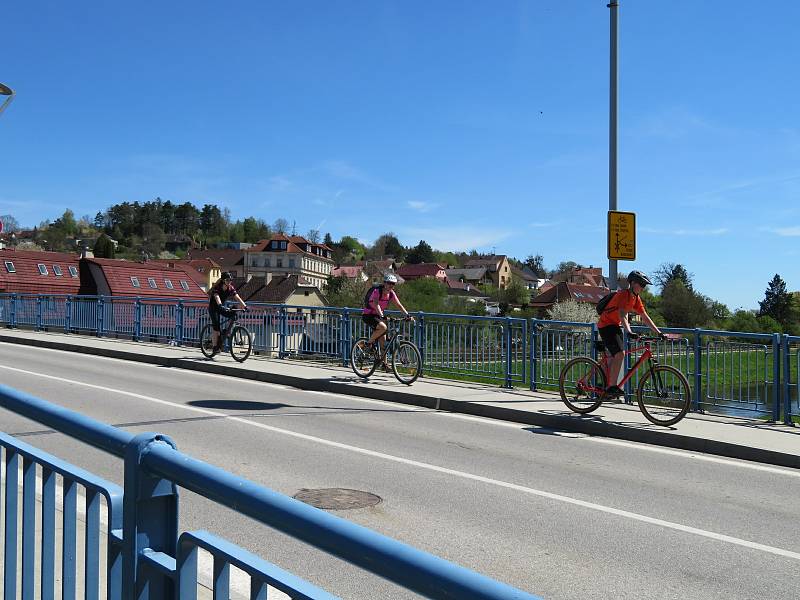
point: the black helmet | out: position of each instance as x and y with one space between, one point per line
639 278
226 276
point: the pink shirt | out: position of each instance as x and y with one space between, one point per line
383 300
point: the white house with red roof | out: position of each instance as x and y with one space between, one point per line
290 255
29 272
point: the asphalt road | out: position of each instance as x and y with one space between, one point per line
556 514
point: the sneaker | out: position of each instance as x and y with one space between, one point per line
614 391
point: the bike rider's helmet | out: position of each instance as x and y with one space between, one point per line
389 278
226 276
639 277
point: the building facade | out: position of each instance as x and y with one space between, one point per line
284 255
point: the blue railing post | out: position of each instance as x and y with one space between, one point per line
100 311
12 318
533 357
67 314
137 320
787 373
345 335
508 340
698 369
179 323
38 313
149 521
776 377
420 336
282 331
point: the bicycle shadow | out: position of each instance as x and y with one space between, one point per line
601 420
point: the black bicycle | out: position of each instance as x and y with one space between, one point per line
402 354
232 337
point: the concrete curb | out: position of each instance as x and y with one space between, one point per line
580 424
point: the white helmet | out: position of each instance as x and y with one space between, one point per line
389 278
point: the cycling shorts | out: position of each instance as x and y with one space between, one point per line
612 338
371 320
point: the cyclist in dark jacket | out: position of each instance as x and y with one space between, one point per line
218 295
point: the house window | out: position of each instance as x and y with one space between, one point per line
73 271
279 263
152 283
42 269
135 282
10 267
168 283
184 285
273 244
283 245
291 263
57 270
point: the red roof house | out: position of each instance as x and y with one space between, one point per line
29 272
434 270
110 277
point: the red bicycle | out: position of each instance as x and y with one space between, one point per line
663 393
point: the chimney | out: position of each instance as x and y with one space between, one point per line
84 249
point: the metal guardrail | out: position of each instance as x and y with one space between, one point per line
791 376
734 372
149 559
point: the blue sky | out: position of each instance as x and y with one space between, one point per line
470 125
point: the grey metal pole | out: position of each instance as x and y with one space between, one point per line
612 128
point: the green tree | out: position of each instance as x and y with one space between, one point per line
668 272
681 307
743 320
425 294
515 292
421 253
104 247
536 264
777 301
350 249
345 292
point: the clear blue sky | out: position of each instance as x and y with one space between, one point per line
468 124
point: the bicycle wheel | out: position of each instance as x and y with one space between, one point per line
361 358
582 383
241 343
406 362
207 342
664 395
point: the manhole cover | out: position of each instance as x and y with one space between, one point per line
337 498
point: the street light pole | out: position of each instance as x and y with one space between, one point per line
6 91
612 128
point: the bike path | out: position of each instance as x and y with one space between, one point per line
747 439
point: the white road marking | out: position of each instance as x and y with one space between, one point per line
447 471
685 454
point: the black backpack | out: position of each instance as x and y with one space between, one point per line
601 306
369 293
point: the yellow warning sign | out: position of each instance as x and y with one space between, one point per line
621 235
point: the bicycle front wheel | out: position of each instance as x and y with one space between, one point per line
582 383
362 361
241 344
207 342
406 362
664 395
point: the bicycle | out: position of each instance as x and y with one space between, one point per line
240 341
663 393
405 357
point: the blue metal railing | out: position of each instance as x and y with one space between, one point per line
740 372
157 560
791 376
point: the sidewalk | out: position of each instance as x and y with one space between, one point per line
733 437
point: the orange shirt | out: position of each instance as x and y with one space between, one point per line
625 300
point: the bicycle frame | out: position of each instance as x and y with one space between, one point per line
647 355
392 336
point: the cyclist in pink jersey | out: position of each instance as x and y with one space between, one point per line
376 304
